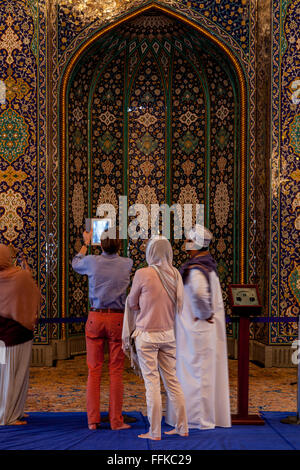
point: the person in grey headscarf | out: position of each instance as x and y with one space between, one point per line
19 307
156 297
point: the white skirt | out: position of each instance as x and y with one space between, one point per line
14 381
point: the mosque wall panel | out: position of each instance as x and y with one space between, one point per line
95 173
78 169
22 138
175 142
147 116
190 125
233 17
67 33
262 161
244 18
223 168
284 225
106 139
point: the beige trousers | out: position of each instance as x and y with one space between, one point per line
155 358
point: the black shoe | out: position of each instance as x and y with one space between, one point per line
129 419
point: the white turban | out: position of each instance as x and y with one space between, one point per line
200 236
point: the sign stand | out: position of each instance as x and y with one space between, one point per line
242 417
244 301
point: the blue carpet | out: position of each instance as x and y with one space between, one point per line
68 431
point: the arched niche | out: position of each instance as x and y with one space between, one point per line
181 138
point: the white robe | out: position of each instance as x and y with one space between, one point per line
201 357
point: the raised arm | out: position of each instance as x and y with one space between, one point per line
79 262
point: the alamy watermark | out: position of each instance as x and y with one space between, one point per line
2 92
141 221
2 353
296 354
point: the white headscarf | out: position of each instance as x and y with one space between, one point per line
200 236
159 255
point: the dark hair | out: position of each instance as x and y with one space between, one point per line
204 248
110 245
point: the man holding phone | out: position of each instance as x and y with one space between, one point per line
108 276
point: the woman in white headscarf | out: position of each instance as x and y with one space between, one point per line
156 297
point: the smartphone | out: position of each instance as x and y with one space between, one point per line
98 226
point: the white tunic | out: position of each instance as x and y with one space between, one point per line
201 357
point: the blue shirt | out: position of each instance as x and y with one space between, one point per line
109 277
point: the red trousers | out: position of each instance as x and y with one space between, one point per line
101 327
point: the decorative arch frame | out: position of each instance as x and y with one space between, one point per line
243 88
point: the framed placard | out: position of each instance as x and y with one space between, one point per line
244 299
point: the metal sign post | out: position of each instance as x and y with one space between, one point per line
245 302
242 417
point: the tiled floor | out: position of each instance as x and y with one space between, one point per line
62 388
